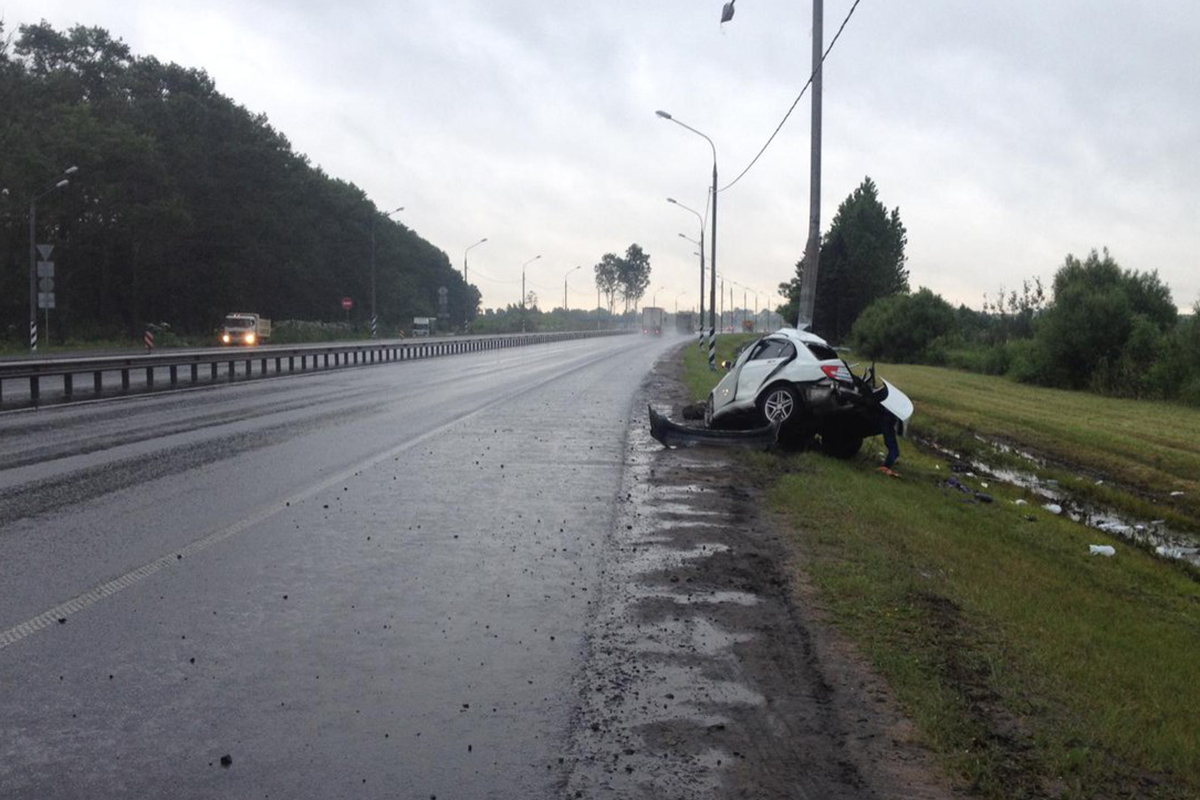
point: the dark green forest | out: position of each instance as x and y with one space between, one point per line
185 205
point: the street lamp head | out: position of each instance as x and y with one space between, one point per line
61 183
664 114
681 236
484 239
71 170
727 11
672 200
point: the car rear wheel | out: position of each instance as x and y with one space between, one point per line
779 404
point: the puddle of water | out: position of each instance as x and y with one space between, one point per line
1153 533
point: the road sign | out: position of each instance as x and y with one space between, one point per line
45 284
44 250
45 299
45 269
347 304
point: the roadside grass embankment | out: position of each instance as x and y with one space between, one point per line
1141 450
1031 668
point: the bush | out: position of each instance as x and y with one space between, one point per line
1026 361
985 359
906 328
1103 327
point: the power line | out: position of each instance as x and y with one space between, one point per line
797 100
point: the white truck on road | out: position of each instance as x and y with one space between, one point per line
242 327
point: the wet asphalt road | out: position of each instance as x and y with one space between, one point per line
368 583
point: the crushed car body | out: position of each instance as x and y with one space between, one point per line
794 380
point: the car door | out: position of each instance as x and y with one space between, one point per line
723 394
760 366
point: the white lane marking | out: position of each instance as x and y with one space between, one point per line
109 588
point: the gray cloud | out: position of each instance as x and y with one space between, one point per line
1008 133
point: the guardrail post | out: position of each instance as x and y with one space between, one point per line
174 375
213 370
33 388
68 385
231 373
195 373
262 367
97 382
149 377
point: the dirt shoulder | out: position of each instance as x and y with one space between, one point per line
711 672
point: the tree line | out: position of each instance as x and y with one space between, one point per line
1100 327
185 205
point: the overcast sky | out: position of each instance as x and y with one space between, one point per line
1008 132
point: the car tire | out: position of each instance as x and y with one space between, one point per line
840 444
708 412
780 403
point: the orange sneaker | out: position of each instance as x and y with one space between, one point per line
891 473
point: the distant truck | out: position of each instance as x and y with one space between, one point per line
652 321
685 322
245 328
424 326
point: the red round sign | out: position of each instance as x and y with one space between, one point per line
347 304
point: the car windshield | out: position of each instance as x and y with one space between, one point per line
239 322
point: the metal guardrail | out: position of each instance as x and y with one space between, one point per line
229 364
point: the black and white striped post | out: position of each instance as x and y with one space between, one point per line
33 335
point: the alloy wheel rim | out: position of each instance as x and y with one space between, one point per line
778 406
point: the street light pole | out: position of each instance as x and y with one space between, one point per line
523 266
701 220
467 312
33 331
374 316
712 295
469 249
565 289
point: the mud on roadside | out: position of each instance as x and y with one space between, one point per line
709 673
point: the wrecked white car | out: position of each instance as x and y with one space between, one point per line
796 380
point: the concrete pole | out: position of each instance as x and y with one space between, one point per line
812 250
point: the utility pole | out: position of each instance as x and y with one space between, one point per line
812 250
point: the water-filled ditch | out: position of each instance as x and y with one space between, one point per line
1155 534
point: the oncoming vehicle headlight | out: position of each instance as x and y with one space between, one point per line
249 338
226 338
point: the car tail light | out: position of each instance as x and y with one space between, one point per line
837 372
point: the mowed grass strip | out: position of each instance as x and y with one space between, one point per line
1033 668
1152 448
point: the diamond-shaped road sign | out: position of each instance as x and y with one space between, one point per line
44 250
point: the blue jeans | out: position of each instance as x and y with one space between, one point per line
887 425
